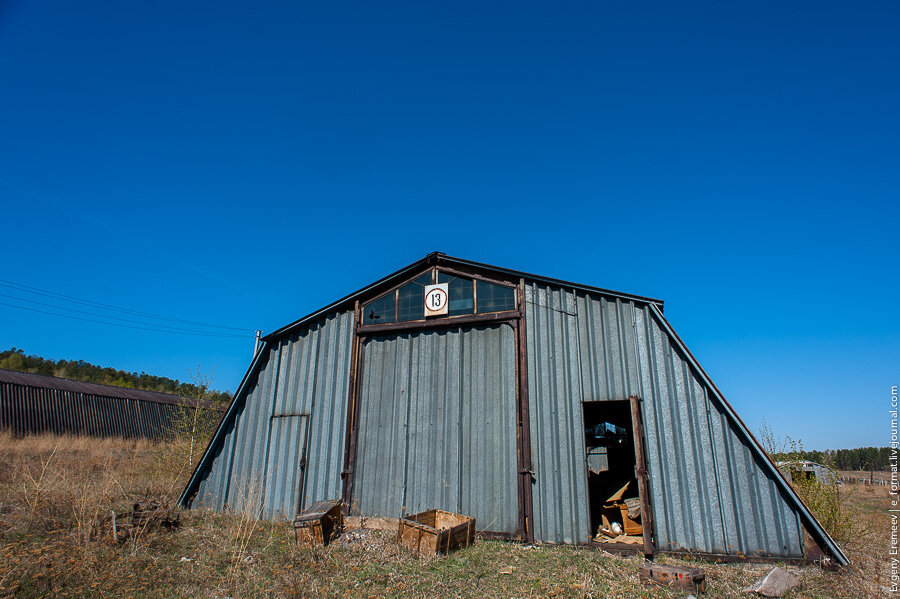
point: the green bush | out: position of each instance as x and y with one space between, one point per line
823 498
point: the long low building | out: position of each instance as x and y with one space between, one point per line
550 411
34 404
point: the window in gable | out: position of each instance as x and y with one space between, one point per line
495 298
466 296
380 311
411 299
460 291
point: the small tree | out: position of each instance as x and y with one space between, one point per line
191 427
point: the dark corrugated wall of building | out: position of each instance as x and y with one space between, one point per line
29 410
438 425
710 492
297 403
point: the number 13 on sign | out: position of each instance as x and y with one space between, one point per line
436 297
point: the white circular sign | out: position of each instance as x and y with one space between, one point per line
436 300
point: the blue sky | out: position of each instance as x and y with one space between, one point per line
245 164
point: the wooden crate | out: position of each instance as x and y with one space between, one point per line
319 523
436 531
688 579
618 512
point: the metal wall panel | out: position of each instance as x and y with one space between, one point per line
284 474
302 382
559 494
709 490
438 425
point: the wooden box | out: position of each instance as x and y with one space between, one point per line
615 509
436 531
319 523
688 579
618 512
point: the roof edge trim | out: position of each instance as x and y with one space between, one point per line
445 259
347 299
437 259
203 462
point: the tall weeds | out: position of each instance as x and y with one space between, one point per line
57 495
61 481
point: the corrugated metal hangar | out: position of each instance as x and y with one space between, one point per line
32 404
521 400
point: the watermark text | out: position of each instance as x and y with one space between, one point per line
895 499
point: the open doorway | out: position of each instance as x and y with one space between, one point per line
614 461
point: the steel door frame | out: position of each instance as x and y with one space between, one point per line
640 471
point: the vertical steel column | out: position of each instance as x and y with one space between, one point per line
350 438
523 430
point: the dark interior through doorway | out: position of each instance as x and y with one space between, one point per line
610 460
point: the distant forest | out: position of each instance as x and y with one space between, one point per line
79 370
861 458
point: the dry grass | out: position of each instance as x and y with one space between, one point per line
57 494
878 477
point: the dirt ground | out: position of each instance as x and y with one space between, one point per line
58 495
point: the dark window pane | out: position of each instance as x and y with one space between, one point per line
460 291
411 299
495 298
379 311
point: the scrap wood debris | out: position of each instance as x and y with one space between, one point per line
145 515
621 519
154 513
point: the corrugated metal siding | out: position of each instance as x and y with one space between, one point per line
559 494
303 381
438 425
284 476
27 410
709 491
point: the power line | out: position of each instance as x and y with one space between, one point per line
128 326
52 294
161 326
